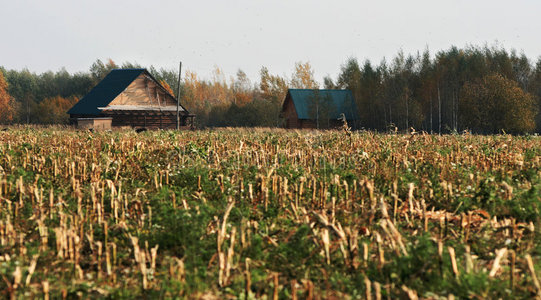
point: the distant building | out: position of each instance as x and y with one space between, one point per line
129 97
309 108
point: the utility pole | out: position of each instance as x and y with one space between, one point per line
178 96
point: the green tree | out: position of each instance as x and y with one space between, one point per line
350 78
22 87
99 70
273 87
328 83
535 88
427 90
370 97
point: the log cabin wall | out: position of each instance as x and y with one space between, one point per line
307 124
150 120
94 123
290 115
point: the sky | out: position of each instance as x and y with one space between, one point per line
248 34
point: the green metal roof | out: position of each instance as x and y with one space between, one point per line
106 91
335 102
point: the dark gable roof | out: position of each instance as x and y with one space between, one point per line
106 91
342 102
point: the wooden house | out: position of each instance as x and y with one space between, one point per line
130 97
319 109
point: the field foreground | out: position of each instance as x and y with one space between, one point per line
268 214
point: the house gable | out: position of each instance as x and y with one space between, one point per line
126 89
102 94
144 91
289 113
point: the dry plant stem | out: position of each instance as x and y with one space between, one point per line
425 218
31 269
275 290
412 295
224 262
469 260
531 268
368 288
248 278
45 285
454 264
496 265
293 289
310 293
512 271
377 289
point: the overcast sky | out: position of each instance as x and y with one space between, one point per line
248 34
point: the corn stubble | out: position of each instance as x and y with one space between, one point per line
268 214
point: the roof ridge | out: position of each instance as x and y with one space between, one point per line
129 69
318 89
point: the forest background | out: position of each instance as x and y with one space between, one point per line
479 89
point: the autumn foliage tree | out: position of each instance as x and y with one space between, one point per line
496 103
167 87
54 110
303 77
7 104
242 90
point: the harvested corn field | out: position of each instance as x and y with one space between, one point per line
261 214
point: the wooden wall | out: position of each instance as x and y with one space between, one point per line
139 119
290 115
97 123
144 91
149 120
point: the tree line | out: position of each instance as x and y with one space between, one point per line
478 89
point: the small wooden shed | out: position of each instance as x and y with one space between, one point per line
94 123
318 109
130 97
